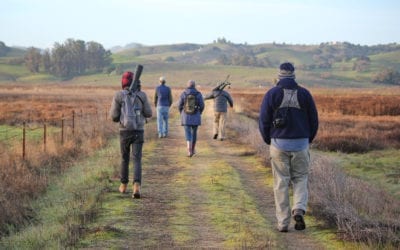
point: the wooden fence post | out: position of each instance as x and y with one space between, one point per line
62 129
44 136
73 122
23 141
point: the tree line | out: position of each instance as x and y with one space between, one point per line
3 49
71 58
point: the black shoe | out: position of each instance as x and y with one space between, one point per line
215 136
136 196
298 216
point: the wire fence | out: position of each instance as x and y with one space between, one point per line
60 130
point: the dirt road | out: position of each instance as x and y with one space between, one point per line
220 198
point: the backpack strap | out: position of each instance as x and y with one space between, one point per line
136 96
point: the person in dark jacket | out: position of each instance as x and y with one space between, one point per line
128 138
191 121
288 122
221 100
162 101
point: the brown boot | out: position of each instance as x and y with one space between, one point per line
136 190
189 148
122 188
193 148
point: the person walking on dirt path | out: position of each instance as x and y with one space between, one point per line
221 100
128 138
162 102
191 106
288 122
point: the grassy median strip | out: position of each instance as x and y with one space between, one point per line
232 210
180 223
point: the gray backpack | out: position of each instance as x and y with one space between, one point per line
131 111
190 105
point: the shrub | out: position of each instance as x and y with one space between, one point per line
388 76
361 212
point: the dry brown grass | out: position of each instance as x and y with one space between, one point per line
50 103
24 179
360 211
352 121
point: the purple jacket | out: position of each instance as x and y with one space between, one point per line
194 119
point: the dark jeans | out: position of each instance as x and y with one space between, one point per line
136 139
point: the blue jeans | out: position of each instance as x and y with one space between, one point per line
191 133
162 120
136 139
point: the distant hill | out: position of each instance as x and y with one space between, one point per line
263 55
6 51
333 64
117 49
338 64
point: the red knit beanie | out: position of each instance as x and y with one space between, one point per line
127 78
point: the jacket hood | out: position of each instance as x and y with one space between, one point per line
287 83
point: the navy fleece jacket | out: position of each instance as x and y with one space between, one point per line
302 123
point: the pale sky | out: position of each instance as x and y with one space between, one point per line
41 23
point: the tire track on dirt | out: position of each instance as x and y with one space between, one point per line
169 179
254 184
143 223
175 212
200 227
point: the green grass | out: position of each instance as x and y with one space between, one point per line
9 134
15 70
180 223
113 222
281 55
379 167
126 58
38 78
232 210
70 202
386 60
178 74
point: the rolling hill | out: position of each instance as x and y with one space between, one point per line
338 64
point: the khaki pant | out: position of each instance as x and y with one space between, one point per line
219 124
289 167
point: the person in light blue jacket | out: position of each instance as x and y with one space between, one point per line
191 120
162 101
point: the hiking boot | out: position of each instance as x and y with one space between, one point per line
189 148
136 190
122 188
215 136
298 216
193 148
